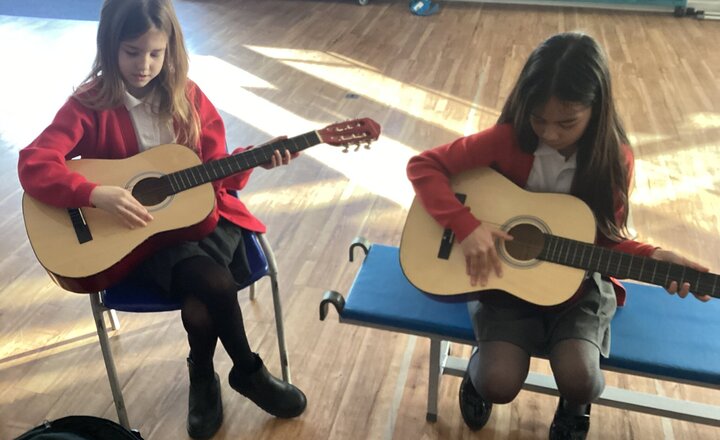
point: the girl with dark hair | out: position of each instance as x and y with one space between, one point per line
136 97
558 132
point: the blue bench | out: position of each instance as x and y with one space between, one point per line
657 335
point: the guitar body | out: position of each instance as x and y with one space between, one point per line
115 250
498 202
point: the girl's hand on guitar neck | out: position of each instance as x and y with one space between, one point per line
673 288
278 158
121 203
481 255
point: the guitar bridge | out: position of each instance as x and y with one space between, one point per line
448 237
82 230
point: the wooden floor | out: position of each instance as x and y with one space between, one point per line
285 67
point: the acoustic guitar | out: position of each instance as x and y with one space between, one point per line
550 254
87 249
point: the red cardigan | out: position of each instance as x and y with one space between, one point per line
109 134
496 147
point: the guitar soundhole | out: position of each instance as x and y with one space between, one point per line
151 191
527 242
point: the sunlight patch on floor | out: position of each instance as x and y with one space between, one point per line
427 104
52 56
380 169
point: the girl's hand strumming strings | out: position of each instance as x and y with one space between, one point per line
673 288
481 255
121 203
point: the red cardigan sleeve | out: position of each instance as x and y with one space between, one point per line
41 165
430 172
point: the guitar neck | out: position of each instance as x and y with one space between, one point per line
218 169
622 265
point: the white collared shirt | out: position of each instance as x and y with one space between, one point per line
150 130
551 171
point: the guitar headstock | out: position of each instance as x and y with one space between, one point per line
357 132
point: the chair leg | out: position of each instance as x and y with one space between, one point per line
114 320
252 292
272 270
97 310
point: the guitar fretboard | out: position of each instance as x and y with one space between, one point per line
622 265
221 168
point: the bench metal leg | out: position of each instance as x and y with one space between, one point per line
97 310
438 357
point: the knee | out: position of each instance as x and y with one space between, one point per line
206 280
195 315
497 385
581 386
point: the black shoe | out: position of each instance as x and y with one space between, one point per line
276 397
205 412
569 426
474 409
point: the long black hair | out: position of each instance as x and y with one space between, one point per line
572 68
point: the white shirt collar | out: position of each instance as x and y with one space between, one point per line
131 102
545 150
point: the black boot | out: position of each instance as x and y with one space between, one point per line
567 426
474 409
278 398
205 412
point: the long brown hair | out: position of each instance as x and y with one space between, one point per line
123 20
572 68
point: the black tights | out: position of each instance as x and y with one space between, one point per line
210 310
499 370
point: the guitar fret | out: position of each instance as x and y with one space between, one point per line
208 178
654 270
602 251
213 167
555 245
682 278
574 253
221 164
173 185
184 179
558 249
632 265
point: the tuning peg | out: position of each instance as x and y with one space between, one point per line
345 148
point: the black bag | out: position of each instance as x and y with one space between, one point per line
80 428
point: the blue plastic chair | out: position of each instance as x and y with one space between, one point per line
134 296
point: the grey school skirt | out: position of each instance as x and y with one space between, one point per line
537 329
225 245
